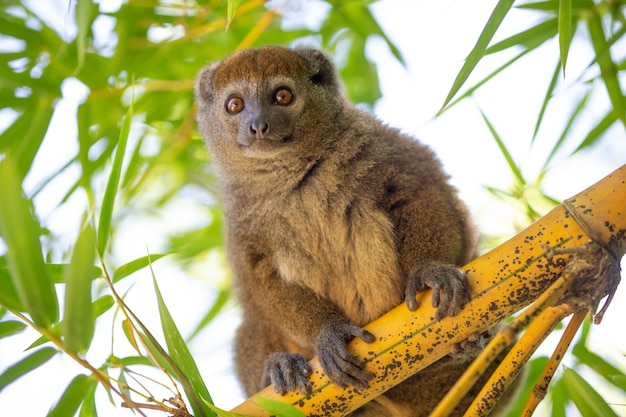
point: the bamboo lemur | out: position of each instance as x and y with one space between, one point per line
332 219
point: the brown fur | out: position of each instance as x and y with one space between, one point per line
332 220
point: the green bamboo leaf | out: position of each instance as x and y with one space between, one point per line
597 131
73 396
108 201
565 29
604 369
530 38
484 81
24 137
8 294
88 409
570 122
233 5
100 306
608 71
279 408
10 327
181 356
85 12
134 266
559 398
546 99
29 363
20 231
224 413
56 272
222 298
505 152
586 398
553 5
476 54
79 320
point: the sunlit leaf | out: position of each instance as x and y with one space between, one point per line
8 294
279 408
586 398
85 11
24 366
505 152
570 122
21 231
79 320
529 38
223 296
559 398
607 66
546 99
104 225
88 409
182 358
597 131
603 368
233 5
72 397
565 30
10 327
476 54
57 271
134 266
100 306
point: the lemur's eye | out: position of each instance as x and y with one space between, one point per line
283 96
234 105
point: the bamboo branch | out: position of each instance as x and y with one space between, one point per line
504 281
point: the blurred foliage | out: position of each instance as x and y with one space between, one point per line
136 153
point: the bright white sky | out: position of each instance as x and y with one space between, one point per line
434 38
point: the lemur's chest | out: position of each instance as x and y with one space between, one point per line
345 252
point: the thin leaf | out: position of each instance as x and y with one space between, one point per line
224 413
134 266
108 201
79 320
233 5
8 294
472 89
559 398
11 327
536 37
88 409
530 38
100 306
593 135
608 71
565 30
586 398
29 363
476 54
505 152
600 366
182 358
56 272
279 408
72 397
570 122
546 99
222 297
84 16
20 232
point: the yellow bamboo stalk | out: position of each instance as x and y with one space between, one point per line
539 392
504 281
